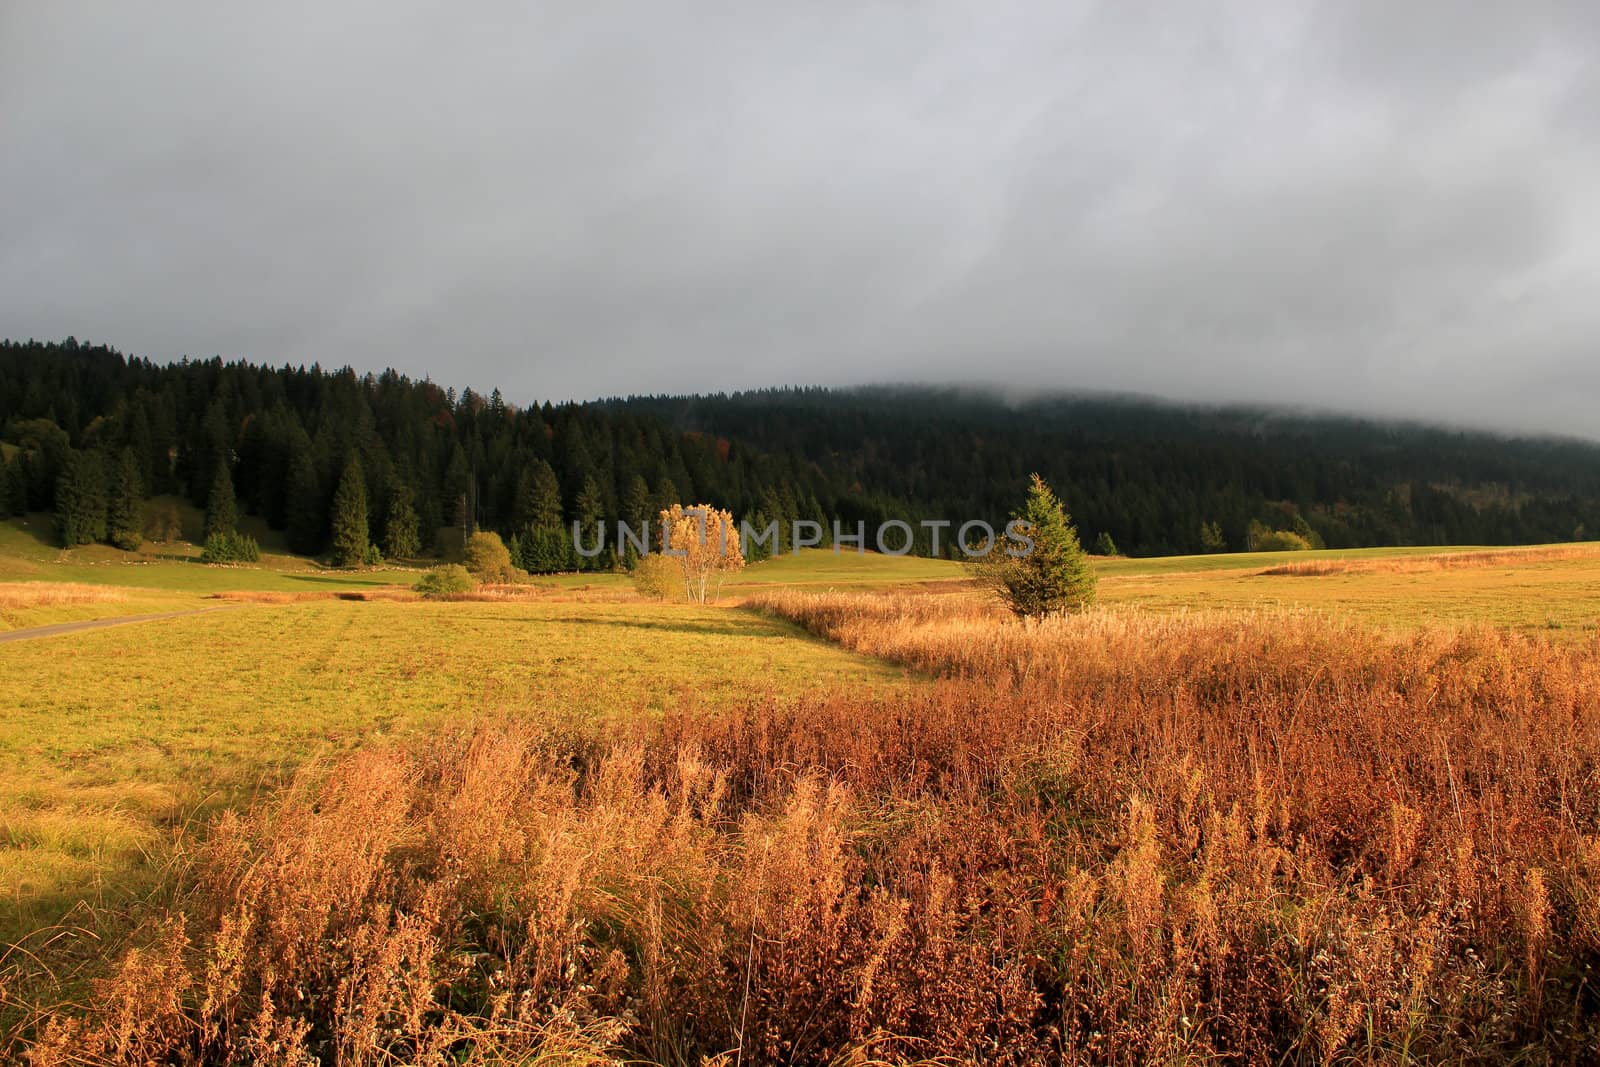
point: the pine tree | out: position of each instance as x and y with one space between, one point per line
760 550
14 488
81 500
222 508
458 491
1104 545
349 519
400 539
591 516
577 466
666 494
46 452
1053 574
139 439
124 509
544 505
206 453
303 501
546 546
636 513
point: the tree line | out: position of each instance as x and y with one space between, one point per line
362 466
354 466
1162 479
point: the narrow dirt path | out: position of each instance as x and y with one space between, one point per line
58 628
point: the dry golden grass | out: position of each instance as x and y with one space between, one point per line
549 592
18 595
1116 838
1436 562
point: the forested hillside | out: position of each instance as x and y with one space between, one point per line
1151 475
89 433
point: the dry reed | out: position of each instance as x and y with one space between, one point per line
1110 839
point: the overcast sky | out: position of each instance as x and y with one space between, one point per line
1390 207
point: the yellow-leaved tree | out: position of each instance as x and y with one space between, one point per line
704 542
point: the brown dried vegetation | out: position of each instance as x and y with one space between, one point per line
15 595
1439 561
1114 838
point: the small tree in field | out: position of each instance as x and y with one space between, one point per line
488 558
1054 576
658 577
704 542
446 580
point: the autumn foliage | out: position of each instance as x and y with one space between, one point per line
704 542
1104 838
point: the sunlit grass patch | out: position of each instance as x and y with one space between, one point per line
213 709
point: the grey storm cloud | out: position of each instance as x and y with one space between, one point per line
1385 207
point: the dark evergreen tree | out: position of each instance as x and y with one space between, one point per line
544 505
1051 572
349 519
590 528
45 452
636 513
400 538
125 504
666 496
14 488
80 515
303 502
222 507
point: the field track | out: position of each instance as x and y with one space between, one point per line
59 628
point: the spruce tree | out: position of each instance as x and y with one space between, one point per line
521 510
636 513
546 545
400 538
1053 574
458 492
544 506
81 500
636 503
141 440
222 508
303 501
349 519
124 509
666 496
591 516
14 488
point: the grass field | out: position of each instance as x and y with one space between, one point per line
120 745
157 578
141 728
1555 589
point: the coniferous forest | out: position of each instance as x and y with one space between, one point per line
351 466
